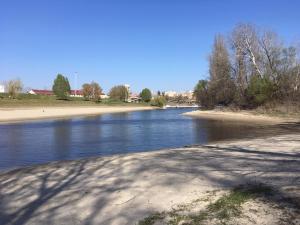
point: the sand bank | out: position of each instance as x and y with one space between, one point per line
39 113
245 116
123 189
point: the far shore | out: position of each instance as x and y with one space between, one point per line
242 116
11 115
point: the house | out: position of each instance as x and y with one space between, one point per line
73 93
76 93
134 98
41 92
2 88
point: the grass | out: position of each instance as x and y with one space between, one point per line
28 100
222 211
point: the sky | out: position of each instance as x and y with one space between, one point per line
158 44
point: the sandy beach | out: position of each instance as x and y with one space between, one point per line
239 116
123 189
39 113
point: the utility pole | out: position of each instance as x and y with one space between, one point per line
76 78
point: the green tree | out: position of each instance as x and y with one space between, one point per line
119 92
146 95
203 95
259 91
61 87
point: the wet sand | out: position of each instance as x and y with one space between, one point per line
39 113
243 116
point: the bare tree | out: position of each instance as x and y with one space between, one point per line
14 87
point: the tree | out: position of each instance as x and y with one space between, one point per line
159 101
119 92
14 87
92 91
146 95
260 90
96 91
87 91
202 95
221 84
61 87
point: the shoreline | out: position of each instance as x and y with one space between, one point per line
24 114
125 188
240 116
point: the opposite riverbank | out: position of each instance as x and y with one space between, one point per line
243 116
140 188
20 114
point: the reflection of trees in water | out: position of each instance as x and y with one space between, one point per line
62 138
12 138
214 130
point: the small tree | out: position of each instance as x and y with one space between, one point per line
119 92
146 95
203 95
61 87
159 101
96 91
87 91
14 87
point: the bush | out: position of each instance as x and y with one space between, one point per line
259 91
146 95
159 101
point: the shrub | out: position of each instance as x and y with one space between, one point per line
259 91
159 101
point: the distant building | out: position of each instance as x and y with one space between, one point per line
41 92
134 98
171 94
129 92
2 88
74 93
104 96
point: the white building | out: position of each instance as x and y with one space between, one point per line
2 88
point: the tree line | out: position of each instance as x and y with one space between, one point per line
90 91
248 68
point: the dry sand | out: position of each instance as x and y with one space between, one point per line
123 189
239 116
38 113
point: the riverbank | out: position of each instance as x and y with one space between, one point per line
20 114
125 189
243 116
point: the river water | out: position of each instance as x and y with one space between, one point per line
30 143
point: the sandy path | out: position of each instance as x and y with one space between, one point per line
37 113
122 189
239 116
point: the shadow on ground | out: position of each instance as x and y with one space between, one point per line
125 188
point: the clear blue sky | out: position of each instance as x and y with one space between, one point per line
160 44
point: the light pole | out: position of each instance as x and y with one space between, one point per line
76 78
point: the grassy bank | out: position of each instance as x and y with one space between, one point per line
27 100
225 208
